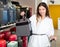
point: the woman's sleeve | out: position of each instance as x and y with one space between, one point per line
32 17
51 28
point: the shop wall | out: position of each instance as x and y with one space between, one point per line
55 14
55 2
29 3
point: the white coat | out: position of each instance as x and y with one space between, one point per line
43 27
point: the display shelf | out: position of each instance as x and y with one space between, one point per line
7 27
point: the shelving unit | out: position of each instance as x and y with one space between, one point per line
7 27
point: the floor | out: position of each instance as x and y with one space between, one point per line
57 44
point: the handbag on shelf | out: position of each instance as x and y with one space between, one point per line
23 27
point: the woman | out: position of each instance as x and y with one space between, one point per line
42 27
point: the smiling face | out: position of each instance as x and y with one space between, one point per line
42 11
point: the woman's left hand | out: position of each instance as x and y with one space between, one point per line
53 38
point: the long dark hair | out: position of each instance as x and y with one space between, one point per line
44 5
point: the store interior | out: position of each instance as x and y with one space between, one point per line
10 18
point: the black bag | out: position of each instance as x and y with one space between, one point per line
23 27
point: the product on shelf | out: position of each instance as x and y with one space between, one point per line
24 41
7 34
2 43
13 37
12 44
12 14
2 36
5 15
23 27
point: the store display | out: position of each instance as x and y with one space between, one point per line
7 34
14 13
13 30
16 3
25 41
0 16
13 37
5 16
2 43
27 11
20 42
18 13
12 44
9 14
1 10
23 27
4 1
2 35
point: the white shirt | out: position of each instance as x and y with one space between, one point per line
43 27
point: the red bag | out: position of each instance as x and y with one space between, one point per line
13 37
2 36
25 41
2 43
7 34
13 29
